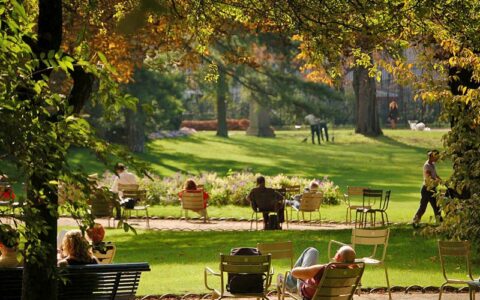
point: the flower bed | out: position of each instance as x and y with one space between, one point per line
230 189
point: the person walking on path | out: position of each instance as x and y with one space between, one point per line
314 127
430 182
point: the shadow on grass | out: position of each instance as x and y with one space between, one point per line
406 252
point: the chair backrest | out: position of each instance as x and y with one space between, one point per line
457 249
128 187
370 196
140 195
311 201
386 201
292 190
372 237
105 253
278 250
339 281
246 264
102 205
354 192
192 200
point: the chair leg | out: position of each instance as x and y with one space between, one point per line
148 218
441 291
388 282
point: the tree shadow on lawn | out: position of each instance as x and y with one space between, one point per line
406 252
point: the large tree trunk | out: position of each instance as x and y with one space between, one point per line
259 121
38 282
222 87
135 121
367 122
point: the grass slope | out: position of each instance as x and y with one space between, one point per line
393 161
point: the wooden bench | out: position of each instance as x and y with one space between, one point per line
113 281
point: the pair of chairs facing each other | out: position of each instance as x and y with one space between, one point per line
369 240
251 265
453 254
374 203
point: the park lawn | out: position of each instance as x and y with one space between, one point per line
177 259
392 161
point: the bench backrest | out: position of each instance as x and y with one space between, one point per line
113 281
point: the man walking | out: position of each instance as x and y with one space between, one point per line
429 188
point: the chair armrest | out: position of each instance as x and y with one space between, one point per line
206 273
330 247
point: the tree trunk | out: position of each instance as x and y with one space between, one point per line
135 121
38 282
222 128
367 122
259 121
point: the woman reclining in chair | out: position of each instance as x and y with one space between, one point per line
191 187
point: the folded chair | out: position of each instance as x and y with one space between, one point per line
371 239
460 253
339 281
194 201
240 264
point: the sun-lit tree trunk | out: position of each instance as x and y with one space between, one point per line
222 88
367 122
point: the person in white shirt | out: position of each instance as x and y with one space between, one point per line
314 127
122 176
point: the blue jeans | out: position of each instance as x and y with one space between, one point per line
308 258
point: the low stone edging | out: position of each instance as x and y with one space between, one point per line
377 290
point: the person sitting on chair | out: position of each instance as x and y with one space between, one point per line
295 201
191 187
307 273
122 176
266 200
9 238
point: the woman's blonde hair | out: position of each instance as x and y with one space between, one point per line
75 245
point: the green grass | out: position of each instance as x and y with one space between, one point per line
393 161
177 259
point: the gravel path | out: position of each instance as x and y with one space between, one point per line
212 225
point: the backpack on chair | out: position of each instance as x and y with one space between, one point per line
245 283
